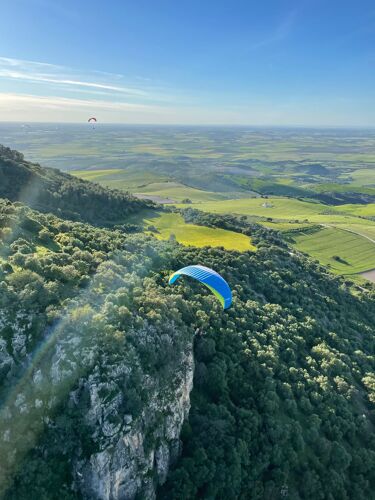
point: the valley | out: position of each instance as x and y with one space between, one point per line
311 185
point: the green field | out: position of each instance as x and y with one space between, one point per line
155 186
96 175
365 230
342 232
284 226
169 224
120 178
358 210
285 211
356 253
277 208
306 177
176 191
362 176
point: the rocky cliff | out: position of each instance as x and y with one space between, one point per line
134 455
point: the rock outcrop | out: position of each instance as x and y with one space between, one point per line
135 455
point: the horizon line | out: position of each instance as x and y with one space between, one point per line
145 124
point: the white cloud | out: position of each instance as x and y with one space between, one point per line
41 78
8 99
72 98
26 107
38 72
23 63
17 75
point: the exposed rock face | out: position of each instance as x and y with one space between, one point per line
18 326
135 455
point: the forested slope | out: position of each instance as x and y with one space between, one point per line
50 190
96 367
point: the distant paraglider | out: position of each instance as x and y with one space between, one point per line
92 120
216 283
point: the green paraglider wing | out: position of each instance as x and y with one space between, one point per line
216 283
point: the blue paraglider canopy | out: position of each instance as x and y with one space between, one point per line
216 283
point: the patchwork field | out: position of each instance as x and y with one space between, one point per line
286 179
153 186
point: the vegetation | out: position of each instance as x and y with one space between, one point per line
52 191
172 226
279 208
313 228
323 176
284 393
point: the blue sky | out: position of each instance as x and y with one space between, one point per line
275 62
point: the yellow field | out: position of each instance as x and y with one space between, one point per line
199 236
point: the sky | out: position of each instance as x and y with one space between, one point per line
274 62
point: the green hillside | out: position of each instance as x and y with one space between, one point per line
62 194
97 352
283 383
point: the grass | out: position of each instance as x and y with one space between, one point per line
366 230
291 211
225 163
358 210
363 177
148 183
324 244
178 192
275 207
118 178
284 226
339 188
96 175
199 236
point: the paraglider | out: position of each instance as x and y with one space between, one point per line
92 120
216 283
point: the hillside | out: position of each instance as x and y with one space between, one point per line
50 190
114 385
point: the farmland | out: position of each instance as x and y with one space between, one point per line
343 252
278 208
335 236
317 187
171 225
